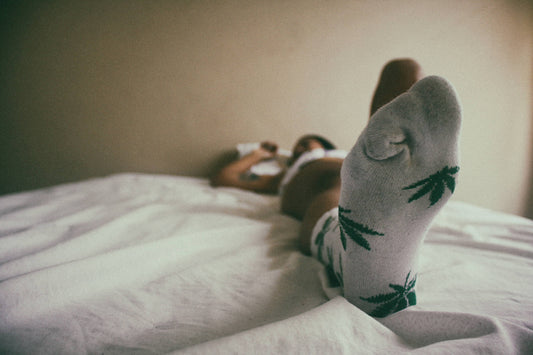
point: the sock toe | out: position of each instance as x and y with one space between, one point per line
423 124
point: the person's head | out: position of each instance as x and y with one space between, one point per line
308 143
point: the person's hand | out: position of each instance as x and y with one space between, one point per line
269 146
266 150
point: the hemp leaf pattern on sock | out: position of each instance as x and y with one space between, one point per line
402 297
435 185
335 278
354 230
319 240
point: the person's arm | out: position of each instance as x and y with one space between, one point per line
236 174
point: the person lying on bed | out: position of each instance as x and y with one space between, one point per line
365 216
238 174
396 77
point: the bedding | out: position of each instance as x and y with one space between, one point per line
154 264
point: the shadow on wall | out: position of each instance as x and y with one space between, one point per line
528 210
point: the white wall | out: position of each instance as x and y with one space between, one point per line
93 88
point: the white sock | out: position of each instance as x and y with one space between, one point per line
395 179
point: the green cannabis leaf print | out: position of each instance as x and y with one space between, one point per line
354 230
319 240
435 185
335 277
402 297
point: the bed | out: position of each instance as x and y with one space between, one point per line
155 264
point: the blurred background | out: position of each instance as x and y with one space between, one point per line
94 88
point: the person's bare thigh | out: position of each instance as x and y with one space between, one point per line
322 203
313 180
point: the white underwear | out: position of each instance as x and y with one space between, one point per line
305 159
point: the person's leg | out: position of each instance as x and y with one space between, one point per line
395 179
312 192
312 180
320 204
397 76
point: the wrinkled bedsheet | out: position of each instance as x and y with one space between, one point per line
152 264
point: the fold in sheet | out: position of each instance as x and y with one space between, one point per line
148 264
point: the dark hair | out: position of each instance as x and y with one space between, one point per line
325 143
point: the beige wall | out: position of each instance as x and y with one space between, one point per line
93 88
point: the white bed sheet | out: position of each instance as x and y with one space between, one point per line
143 264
